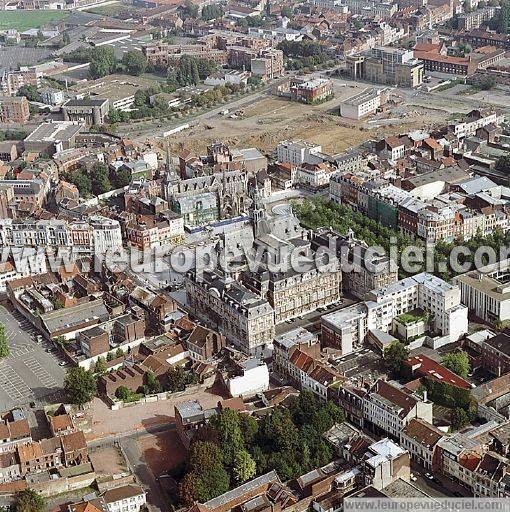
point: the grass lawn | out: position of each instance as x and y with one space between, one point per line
412 317
112 10
23 20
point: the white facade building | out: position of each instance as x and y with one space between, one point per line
390 408
486 292
297 152
107 234
99 234
128 498
362 104
254 379
476 119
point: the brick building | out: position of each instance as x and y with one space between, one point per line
14 109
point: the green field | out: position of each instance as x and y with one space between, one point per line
23 20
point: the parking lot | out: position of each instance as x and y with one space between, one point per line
32 371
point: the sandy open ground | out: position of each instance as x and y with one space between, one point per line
271 119
140 417
162 451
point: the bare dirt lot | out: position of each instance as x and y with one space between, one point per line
140 417
108 461
271 119
162 451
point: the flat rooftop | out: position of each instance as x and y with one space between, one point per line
56 131
363 97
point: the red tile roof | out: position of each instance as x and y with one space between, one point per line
431 369
301 360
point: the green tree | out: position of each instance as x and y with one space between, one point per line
4 346
81 180
211 12
211 483
30 92
459 418
187 71
287 12
204 455
249 428
255 21
79 385
205 67
187 489
503 164
457 362
504 18
102 62
123 393
178 378
119 352
189 10
228 426
135 62
99 179
110 356
394 356
153 383
100 366
280 432
244 466
120 178
66 38
29 500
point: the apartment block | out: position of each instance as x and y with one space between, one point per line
486 292
14 109
363 104
347 328
387 65
388 408
297 152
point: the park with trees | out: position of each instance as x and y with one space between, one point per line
236 447
320 212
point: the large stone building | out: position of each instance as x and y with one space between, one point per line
387 65
262 284
212 187
361 271
207 198
90 111
245 318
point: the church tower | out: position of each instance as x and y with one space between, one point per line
171 178
258 213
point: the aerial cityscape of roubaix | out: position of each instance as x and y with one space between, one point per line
254 255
